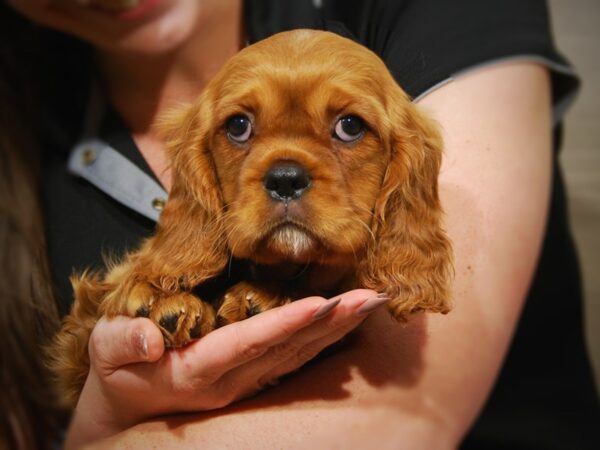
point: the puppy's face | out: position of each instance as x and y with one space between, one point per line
300 142
304 149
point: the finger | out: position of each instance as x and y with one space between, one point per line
309 349
196 370
121 341
236 344
291 354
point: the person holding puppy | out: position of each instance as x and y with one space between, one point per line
420 385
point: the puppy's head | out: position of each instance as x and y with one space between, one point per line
307 150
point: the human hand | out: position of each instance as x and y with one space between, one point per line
132 378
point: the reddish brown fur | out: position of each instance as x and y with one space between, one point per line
371 217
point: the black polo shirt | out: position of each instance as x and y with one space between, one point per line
545 397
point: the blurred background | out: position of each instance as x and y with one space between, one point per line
577 33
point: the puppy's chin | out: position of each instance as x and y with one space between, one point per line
288 243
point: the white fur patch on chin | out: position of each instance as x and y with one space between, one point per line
292 241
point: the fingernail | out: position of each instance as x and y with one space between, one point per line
371 304
141 344
326 308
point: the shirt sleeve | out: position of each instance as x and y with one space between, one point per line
426 43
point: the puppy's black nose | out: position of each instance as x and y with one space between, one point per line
286 182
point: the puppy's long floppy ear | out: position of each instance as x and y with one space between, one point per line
189 246
411 257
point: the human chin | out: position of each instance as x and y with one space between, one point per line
164 33
141 26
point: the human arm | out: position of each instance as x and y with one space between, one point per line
132 378
422 385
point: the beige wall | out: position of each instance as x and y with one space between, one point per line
577 32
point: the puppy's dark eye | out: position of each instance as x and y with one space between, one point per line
238 128
349 128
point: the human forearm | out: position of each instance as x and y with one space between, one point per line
356 398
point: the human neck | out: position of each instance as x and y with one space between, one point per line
142 86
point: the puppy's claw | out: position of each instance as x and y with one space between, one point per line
182 318
196 331
169 322
142 311
252 309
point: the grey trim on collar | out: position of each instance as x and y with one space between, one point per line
108 170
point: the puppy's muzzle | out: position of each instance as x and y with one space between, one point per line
286 181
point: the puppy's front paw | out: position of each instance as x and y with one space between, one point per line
247 299
181 317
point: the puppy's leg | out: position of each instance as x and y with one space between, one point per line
68 357
181 316
246 299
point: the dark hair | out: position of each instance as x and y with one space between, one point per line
37 69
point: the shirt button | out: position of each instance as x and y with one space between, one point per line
88 157
158 203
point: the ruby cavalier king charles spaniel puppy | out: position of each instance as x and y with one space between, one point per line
305 167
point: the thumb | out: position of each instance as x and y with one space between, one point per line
121 340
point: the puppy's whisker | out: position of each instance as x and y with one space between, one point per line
367 227
217 222
229 263
229 231
352 247
230 238
370 212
